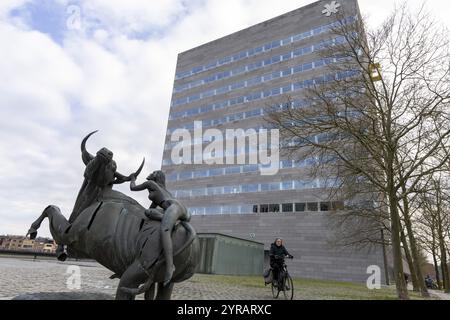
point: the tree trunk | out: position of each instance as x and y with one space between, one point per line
444 276
415 253
400 283
447 290
436 269
385 259
433 251
420 281
441 241
409 259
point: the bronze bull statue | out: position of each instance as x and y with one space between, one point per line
112 228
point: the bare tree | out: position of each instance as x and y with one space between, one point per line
435 206
410 244
427 237
381 113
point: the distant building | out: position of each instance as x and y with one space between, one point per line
27 244
49 247
19 243
12 243
38 246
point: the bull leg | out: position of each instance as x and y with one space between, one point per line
58 227
131 279
58 224
32 232
150 293
164 291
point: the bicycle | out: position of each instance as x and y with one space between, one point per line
284 284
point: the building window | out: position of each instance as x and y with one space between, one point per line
214 191
300 207
274 208
201 174
255 209
288 207
288 185
276 59
251 168
313 206
232 170
249 188
185 175
274 186
287 88
198 192
319 63
285 164
215 172
307 50
307 66
325 206
264 208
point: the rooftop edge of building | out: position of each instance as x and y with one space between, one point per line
261 24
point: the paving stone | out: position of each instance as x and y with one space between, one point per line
29 279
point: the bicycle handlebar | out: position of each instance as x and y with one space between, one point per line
283 256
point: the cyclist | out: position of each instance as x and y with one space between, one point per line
277 254
429 282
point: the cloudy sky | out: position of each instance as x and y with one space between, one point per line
68 67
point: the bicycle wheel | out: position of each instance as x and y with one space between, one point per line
275 292
288 287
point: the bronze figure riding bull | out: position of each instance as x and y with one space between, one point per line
112 228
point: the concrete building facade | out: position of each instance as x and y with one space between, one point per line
229 84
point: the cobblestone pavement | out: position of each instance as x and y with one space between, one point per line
25 275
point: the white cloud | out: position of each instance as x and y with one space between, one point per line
132 16
7 5
37 76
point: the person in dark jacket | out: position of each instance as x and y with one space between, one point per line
277 254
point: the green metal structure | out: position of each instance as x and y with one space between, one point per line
224 255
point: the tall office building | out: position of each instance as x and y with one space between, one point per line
228 84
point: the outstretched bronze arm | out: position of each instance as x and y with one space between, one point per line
133 187
145 186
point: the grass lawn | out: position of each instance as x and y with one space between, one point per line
315 289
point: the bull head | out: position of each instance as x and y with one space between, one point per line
87 157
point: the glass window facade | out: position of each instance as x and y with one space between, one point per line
258 50
284 208
253 81
313 206
188 193
235 93
300 207
296 86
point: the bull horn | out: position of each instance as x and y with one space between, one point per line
140 169
122 177
85 155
